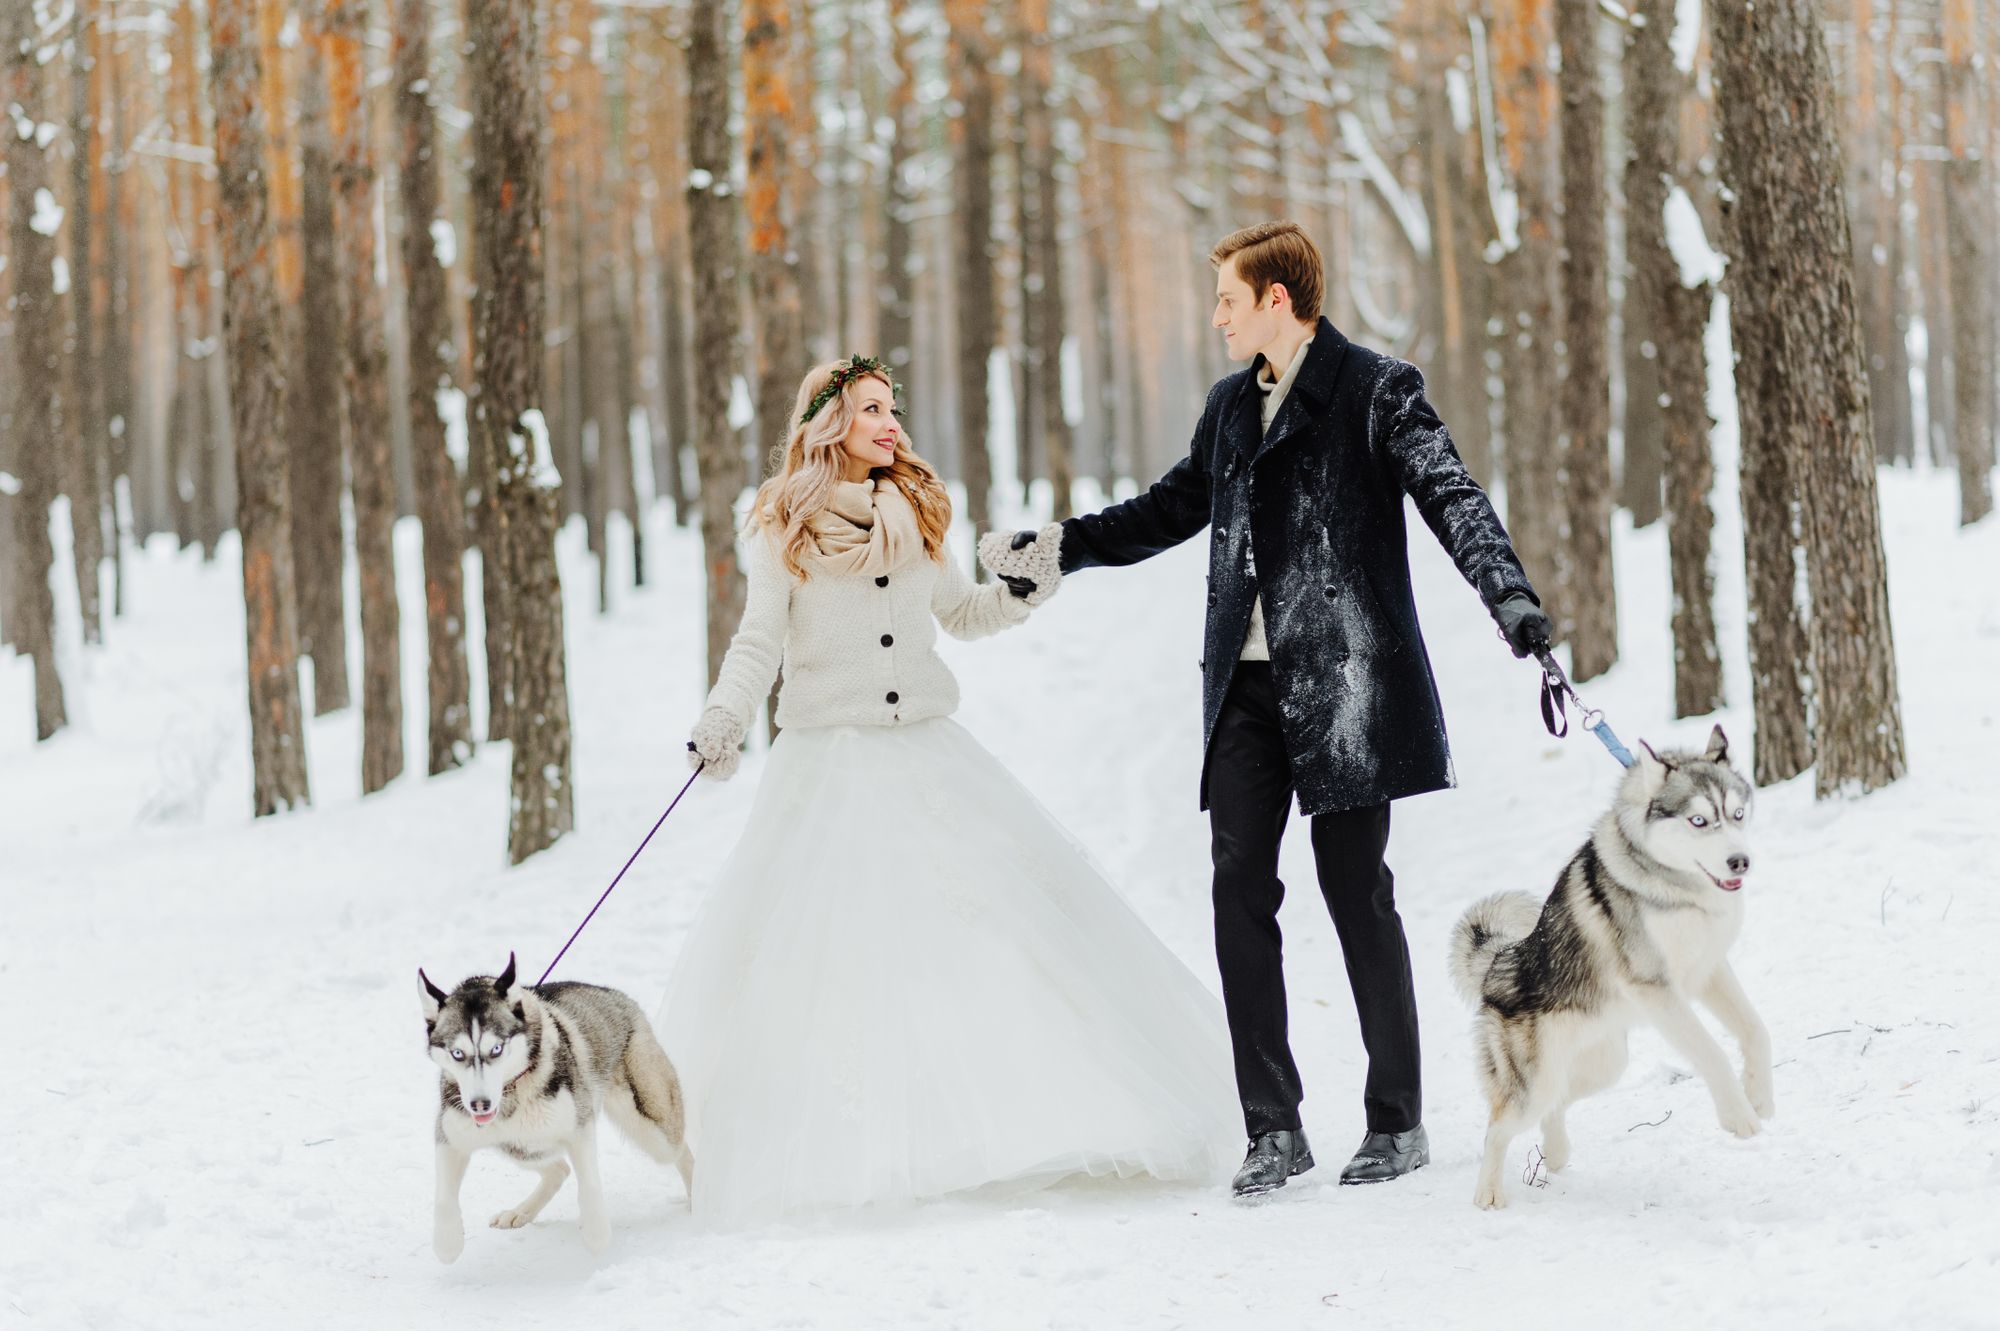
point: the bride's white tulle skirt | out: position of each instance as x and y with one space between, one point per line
910 980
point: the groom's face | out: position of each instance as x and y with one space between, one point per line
1248 325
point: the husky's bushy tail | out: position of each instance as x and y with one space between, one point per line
1488 925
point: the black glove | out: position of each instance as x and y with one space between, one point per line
1022 540
1524 625
1021 587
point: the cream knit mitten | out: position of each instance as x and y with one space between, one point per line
717 740
1038 560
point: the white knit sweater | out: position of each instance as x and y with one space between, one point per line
857 650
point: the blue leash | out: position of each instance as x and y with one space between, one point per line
1554 685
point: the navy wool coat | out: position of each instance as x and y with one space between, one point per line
1318 503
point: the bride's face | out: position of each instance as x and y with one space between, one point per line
871 440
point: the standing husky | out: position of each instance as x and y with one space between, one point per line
526 1069
1637 929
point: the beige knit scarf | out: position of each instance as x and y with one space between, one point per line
868 527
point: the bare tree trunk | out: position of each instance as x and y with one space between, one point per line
502 66
717 254
1676 319
666 151
431 358
366 366
972 184
85 481
257 393
1585 407
318 409
1968 212
896 288
36 416
1801 390
773 246
1043 318
1523 31
115 351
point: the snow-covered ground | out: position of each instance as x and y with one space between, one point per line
217 1110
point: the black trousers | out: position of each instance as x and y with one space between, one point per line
1249 801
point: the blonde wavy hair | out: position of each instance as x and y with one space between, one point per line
814 463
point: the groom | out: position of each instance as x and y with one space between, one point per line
1315 684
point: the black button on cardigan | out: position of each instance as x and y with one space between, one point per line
892 697
888 640
882 581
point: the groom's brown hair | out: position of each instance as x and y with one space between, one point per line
1279 252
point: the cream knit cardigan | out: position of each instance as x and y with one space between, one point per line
857 650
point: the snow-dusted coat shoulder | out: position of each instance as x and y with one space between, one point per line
856 650
1319 501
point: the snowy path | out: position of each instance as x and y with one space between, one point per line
219 1111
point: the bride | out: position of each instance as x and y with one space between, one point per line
908 979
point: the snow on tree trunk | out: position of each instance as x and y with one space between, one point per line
366 388
502 68
36 417
257 400
1801 392
717 258
1585 407
431 357
1676 321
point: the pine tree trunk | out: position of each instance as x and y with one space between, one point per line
257 391
1585 406
717 257
1968 213
972 186
1677 320
318 422
773 247
1801 390
896 289
85 481
431 360
37 403
366 389
1044 323
1523 31
115 350
503 69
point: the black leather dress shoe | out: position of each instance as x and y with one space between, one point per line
1273 1158
1387 1155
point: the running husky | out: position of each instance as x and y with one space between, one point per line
1637 929
526 1069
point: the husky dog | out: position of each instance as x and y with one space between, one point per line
1638 929
526 1069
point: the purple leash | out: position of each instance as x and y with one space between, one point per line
621 874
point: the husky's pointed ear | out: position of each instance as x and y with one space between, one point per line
433 996
1718 746
1651 763
506 980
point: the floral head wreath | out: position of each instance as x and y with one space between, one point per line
855 368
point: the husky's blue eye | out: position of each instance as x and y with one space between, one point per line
497 1049
458 1055
1699 821
1738 815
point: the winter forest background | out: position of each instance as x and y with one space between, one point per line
427 349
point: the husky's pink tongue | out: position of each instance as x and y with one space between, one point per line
1731 884
482 1119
